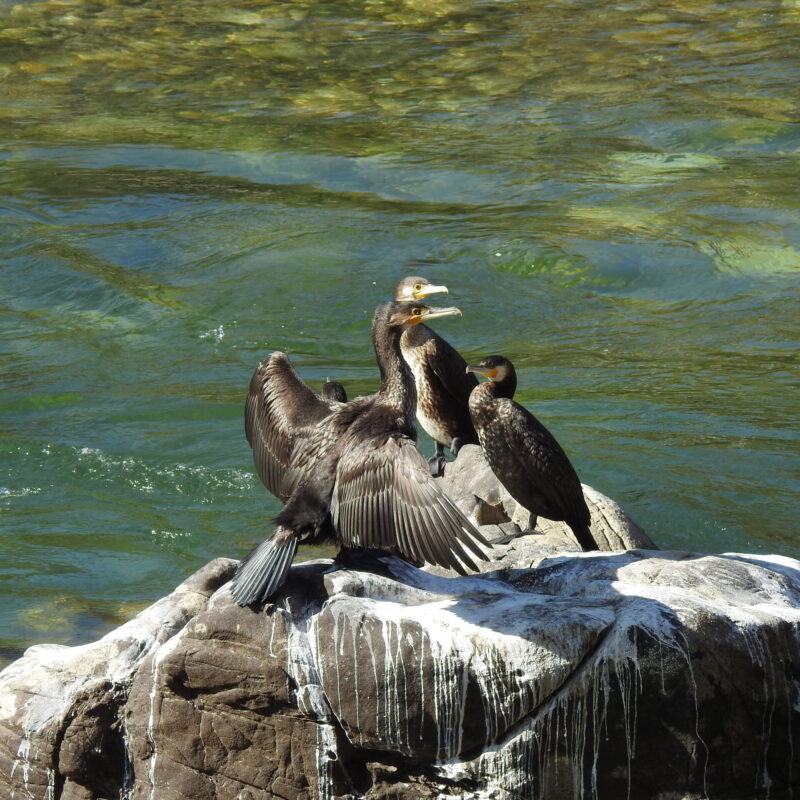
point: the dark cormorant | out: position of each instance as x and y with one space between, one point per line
349 472
523 454
333 390
443 384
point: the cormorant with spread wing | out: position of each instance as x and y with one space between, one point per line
523 454
443 384
349 472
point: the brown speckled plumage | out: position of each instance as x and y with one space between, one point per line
443 386
524 455
439 371
350 472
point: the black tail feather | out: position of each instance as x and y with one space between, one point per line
584 537
263 572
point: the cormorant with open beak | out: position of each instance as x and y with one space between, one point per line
523 454
443 385
349 472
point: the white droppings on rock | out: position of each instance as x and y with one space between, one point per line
22 761
301 666
50 792
572 680
657 602
52 678
127 775
326 757
155 699
486 644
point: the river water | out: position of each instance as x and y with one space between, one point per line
610 190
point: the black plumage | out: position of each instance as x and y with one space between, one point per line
523 454
349 472
442 382
333 390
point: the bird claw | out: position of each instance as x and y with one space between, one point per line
436 465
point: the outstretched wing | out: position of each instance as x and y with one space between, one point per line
385 498
280 408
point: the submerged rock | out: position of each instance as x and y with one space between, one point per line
554 675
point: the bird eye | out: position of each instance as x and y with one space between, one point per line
416 312
417 287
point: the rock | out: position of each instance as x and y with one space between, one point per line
636 674
229 706
473 486
61 726
553 674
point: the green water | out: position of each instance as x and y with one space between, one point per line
611 191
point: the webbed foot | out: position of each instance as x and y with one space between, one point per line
455 445
436 465
437 461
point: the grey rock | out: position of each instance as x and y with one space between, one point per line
641 674
60 706
229 707
553 674
475 489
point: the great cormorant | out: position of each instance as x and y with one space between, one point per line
349 472
523 454
443 384
333 390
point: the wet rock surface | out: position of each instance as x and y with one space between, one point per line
553 674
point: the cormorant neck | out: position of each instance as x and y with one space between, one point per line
415 335
397 382
505 387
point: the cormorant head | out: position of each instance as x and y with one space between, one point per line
416 288
396 314
333 390
495 368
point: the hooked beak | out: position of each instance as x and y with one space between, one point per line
435 313
429 289
487 372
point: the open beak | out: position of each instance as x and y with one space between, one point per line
487 372
434 313
429 289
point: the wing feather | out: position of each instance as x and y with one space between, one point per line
542 461
450 528
385 497
402 534
280 409
442 539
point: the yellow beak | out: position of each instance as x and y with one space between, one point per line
487 372
435 313
428 290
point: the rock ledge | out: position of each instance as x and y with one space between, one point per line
637 674
627 673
